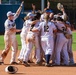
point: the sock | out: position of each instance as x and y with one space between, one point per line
47 57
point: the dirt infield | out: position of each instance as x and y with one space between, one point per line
40 70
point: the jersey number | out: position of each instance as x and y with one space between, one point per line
46 28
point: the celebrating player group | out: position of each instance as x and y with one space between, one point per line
47 33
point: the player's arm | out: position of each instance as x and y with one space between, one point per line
67 25
33 7
15 30
33 22
18 11
64 16
48 5
37 28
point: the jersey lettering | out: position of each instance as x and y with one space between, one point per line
46 28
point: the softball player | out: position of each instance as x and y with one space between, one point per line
23 40
31 37
61 43
69 46
10 36
47 40
27 24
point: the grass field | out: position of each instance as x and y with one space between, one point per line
19 42
74 41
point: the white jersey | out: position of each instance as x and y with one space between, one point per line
26 26
60 25
36 25
69 31
10 24
46 30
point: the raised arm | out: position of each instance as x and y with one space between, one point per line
33 8
18 11
48 5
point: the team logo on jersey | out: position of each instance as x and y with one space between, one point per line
46 28
8 25
13 24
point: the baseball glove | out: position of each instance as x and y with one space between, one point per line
68 36
59 6
11 69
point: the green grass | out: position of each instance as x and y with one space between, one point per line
74 41
19 42
2 42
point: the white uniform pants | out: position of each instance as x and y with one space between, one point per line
71 59
61 46
47 45
29 47
23 49
14 49
10 41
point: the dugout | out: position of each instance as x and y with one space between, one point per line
4 8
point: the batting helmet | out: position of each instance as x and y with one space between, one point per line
11 69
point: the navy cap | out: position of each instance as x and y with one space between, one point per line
49 10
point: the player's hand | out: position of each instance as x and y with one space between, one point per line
48 4
33 6
22 3
63 9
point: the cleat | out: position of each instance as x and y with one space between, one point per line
13 63
48 65
54 64
1 63
38 63
20 61
71 63
30 61
25 64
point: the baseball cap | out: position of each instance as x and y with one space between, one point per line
9 13
49 10
30 14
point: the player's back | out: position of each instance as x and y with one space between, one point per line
47 29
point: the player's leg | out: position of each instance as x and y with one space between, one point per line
29 46
23 49
65 54
4 53
53 54
42 54
70 53
47 51
38 57
58 48
14 50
